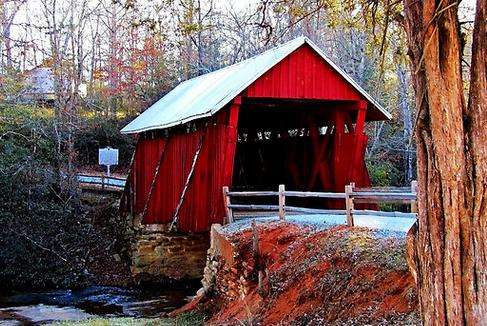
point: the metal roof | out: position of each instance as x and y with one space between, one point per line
205 95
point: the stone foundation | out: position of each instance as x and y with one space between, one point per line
159 255
226 273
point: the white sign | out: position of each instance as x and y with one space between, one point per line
108 156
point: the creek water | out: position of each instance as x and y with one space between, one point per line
78 304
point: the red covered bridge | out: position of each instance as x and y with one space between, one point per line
287 116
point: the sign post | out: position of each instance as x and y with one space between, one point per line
108 156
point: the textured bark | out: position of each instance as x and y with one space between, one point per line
477 148
448 247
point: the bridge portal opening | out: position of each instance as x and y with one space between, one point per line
307 145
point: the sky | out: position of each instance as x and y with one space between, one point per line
467 7
32 10
466 12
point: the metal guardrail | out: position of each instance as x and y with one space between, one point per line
101 182
352 195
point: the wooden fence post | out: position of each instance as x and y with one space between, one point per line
414 202
349 203
282 202
227 202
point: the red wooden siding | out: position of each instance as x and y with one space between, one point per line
143 168
202 203
303 75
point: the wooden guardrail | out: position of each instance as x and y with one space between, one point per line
351 196
104 183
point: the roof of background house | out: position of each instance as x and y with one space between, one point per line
41 81
205 95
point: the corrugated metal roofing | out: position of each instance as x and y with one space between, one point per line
205 95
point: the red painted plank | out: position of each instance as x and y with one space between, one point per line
306 75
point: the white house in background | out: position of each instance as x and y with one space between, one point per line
41 85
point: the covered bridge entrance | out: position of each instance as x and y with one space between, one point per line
287 116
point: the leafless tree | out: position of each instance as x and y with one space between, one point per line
8 11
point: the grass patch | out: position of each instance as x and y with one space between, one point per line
187 319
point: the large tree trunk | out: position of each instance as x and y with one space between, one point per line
448 247
477 167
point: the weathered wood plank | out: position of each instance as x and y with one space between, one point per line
254 207
349 203
226 200
382 213
383 195
100 176
252 193
339 195
379 200
315 210
282 202
383 189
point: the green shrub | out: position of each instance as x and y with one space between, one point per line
100 132
383 174
47 238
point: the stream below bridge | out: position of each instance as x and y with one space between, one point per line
97 301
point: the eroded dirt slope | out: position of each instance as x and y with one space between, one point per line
334 276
